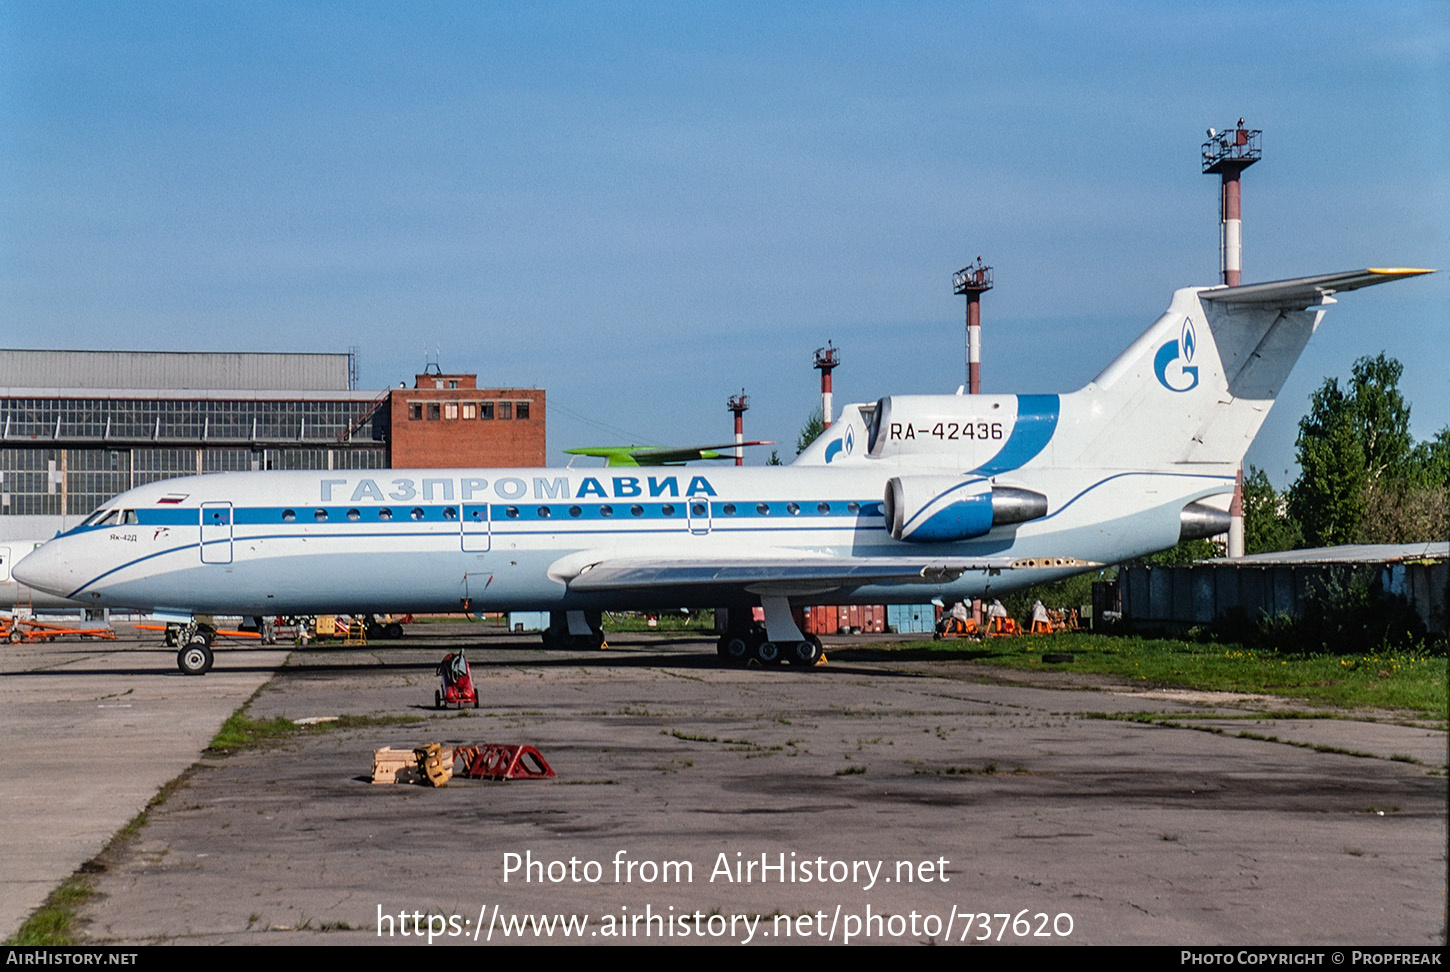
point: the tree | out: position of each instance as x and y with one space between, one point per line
1363 479
814 426
1267 524
1350 442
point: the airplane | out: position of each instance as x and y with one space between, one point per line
11 596
658 455
909 499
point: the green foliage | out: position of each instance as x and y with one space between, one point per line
1186 552
774 459
1267 524
814 426
1362 476
1070 592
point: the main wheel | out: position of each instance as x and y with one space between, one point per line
804 653
196 658
768 652
735 649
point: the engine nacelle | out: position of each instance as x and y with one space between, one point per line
944 509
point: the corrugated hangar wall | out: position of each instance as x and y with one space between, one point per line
258 371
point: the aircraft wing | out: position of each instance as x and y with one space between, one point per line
657 455
1302 292
760 576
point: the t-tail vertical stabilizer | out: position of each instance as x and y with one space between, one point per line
1196 386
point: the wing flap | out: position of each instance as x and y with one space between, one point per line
826 572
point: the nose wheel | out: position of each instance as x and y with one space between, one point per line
196 658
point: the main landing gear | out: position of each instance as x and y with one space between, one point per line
754 645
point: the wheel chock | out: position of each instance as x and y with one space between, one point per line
502 761
432 765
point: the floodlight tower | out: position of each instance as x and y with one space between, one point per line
1227 154
973 280
826 360
739 404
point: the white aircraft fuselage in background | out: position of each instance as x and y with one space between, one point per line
903 501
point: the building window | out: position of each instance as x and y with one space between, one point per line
415 411
521 411
505 410
452 383
434 411
470 411
485 410
450 411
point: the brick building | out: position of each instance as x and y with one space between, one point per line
448 421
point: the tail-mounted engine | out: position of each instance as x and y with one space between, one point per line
942 509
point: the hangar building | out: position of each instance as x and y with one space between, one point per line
78 427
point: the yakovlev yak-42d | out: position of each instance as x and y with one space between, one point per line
912 498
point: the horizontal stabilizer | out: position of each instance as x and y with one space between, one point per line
1303 292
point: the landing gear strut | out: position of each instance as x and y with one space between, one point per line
575 629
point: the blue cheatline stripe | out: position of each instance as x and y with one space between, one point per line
499 513
1036 421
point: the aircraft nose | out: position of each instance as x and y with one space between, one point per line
46 569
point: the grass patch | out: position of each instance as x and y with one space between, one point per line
1401 680
241 731
50 925
696 621
851 771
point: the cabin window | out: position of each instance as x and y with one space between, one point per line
288 516
450 513
668 509
354 515
544 513
575 511
385 514
511 512
793 509
729 509
319 515
853 507
417 513
636 510
697 509
823 507
606 510
763 509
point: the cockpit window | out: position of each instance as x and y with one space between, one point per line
109 519
128 518
91 520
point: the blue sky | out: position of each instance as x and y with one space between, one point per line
644 207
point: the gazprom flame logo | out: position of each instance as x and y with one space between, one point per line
1185 374
848 443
